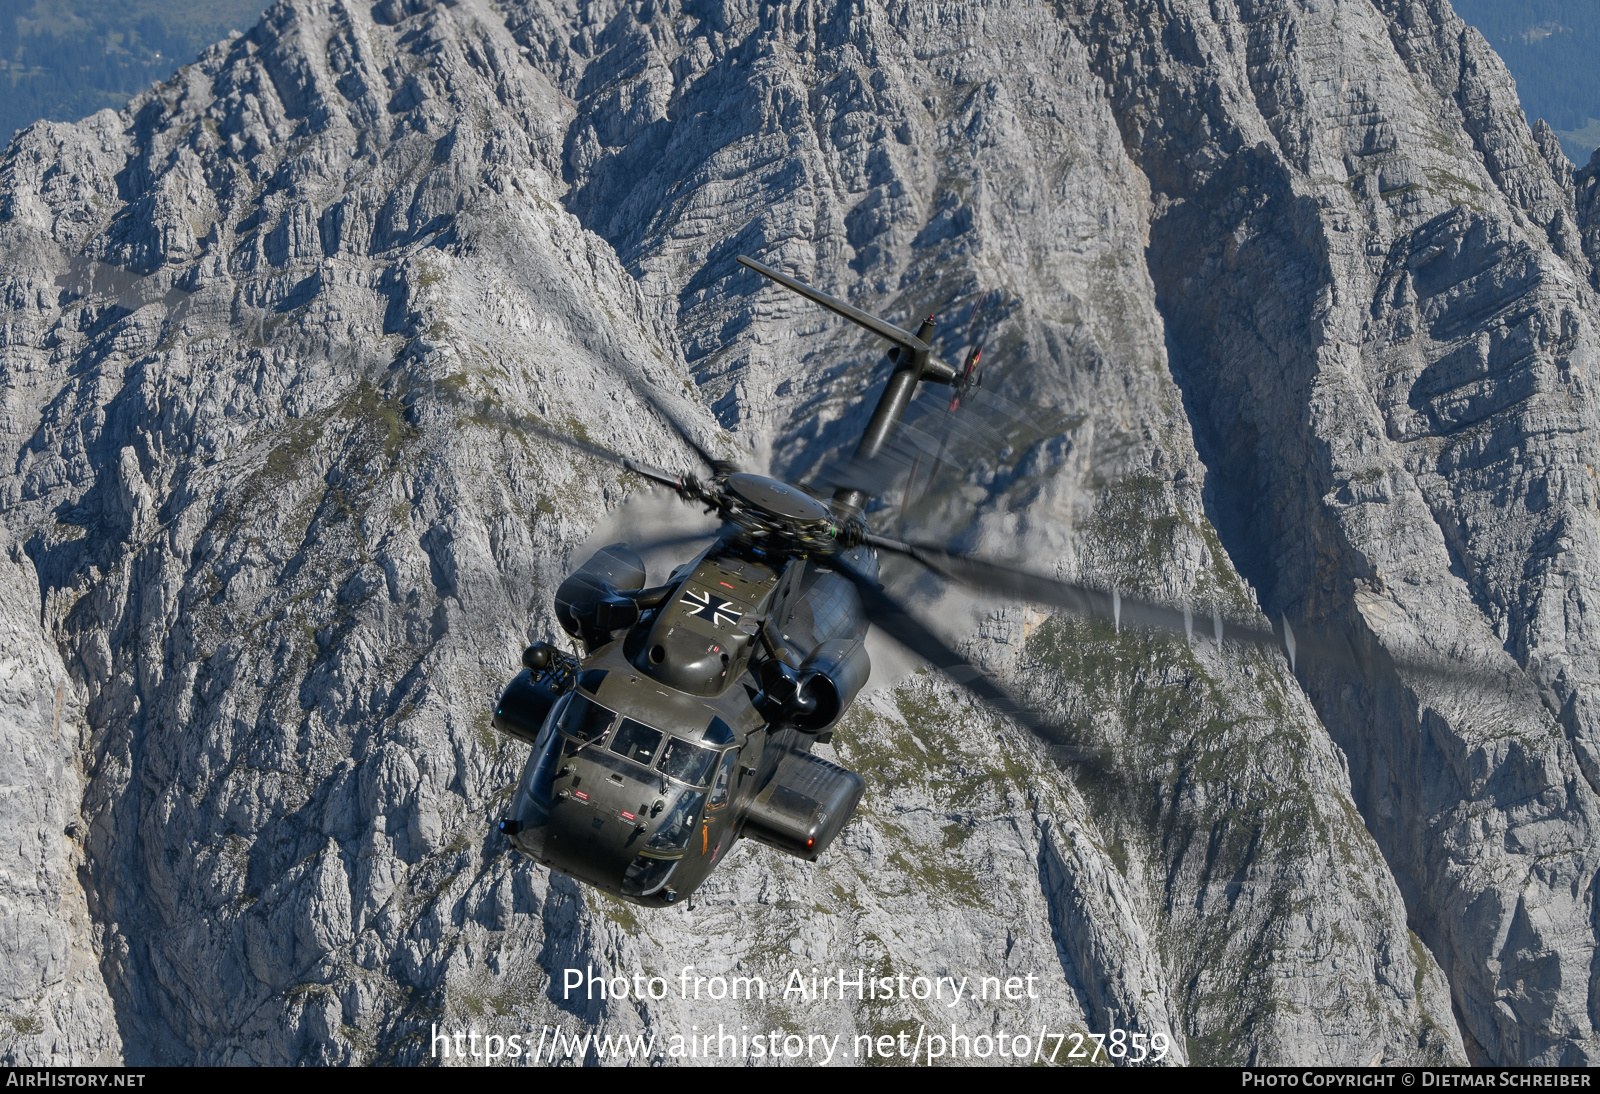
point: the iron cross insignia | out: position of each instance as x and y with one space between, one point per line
717 612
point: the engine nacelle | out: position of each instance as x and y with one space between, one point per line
812 697
587 604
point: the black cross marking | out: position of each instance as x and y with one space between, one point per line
707 608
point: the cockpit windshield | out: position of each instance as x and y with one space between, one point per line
586 720
687 763
637 741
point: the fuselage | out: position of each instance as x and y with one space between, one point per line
643 776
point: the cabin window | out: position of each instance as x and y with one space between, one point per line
687 763
637 741
586 720
719 791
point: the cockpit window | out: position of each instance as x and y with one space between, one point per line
718 733
636 741
673 834
585 719
719 792
689 763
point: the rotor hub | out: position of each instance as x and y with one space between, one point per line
778 499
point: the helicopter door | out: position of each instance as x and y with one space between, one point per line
531 812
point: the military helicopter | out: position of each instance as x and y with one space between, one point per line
689 718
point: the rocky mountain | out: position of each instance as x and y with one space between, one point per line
1301 317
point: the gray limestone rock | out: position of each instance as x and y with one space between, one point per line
1283 310
1397 424
54 1008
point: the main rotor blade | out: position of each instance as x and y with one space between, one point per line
665 542
495 253
1196 622
934 437
485 409
913 446
890 615
646 391
992 577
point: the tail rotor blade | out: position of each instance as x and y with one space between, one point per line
968 377
1112 606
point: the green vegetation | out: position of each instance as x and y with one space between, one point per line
1135 518
1178 780
366 406
22 1024
955 835
1419 953
618 911
483 730
484 1004
384 412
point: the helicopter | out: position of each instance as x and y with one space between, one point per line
688 720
